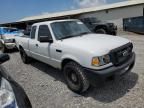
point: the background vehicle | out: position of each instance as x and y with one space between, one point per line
84 57
7 38
11 93
98 26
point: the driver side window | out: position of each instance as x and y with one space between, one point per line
44 31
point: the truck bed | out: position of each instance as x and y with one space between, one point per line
22 41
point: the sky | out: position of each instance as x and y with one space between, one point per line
14 10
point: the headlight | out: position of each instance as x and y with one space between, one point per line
7 98
100 61
9 40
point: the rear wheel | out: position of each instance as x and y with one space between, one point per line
101 31
24 56
75 78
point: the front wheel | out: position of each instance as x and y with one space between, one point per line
75 78
24 56
101 31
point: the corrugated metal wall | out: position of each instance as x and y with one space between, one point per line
116 15
134 24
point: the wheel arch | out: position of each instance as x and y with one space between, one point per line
67 59
100 27
20 47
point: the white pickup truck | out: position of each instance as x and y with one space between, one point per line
84 58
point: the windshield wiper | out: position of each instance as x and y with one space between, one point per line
84 33
66 37
70 36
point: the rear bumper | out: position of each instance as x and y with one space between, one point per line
10 45
98 76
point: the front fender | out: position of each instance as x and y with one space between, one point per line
71 58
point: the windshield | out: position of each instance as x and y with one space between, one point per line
94 20
67 29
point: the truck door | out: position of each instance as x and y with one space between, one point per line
43 48
32 43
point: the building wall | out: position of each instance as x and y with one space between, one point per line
117 15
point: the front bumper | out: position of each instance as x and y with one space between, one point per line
98 76
10 45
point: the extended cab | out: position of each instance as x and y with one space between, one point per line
85 58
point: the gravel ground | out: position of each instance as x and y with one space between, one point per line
46 88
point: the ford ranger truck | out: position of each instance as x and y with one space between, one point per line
83 57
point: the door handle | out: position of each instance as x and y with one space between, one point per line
36 45
57 50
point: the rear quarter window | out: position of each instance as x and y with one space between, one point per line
33 32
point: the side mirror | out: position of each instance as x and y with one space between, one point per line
4 58
45 39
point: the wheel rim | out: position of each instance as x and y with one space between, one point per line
73 77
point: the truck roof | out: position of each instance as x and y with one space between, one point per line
49 22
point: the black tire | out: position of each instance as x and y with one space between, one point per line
101 31
75 78
24 57
3 49
115 33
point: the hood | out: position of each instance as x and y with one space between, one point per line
99 44
9 36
